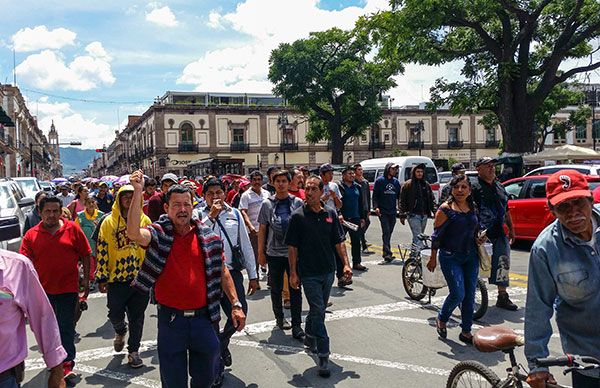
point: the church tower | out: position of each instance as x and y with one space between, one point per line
55 150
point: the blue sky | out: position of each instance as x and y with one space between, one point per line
127 52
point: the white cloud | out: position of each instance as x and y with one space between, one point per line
39 38
162 16
48 70
266 24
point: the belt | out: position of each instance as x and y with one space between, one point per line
202 312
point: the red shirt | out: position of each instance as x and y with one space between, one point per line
55 256
156 206
182 283
146 197
299 193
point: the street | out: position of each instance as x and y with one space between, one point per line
379 337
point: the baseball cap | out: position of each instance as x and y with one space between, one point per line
103 184
485 160
325 167
169 177
566 184
458 167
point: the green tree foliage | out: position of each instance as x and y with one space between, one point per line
329 77
511 52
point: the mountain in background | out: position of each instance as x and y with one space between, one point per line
75 159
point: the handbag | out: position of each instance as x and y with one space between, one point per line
238 262
484 252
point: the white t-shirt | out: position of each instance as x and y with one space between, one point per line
251 201
336 189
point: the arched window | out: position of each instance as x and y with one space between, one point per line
187 134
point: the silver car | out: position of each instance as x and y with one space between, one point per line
12 206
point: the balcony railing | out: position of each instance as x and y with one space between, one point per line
492 143
376 145
288 147
416 145
187 147
239 147
455 144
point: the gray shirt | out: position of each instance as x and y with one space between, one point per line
275 214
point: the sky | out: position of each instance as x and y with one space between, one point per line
88 65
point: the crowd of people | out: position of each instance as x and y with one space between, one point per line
184 245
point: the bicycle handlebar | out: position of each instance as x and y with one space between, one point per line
569 360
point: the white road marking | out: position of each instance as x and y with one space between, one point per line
119 376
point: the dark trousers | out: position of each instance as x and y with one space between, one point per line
317 290
388 221
277 267
355 241
583 381
363 231
229 329
254 243
64 308
123 299
186 341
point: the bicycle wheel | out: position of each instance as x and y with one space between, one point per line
481 299
412 279
472 374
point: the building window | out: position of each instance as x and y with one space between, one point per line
238 135
453 134
415 133
490 134
288 134
580 134
187 134
386 138
558 138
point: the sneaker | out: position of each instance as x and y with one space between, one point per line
283 324
134 360
359 267
504 302
119 342
68 373
298 333
343 282
388 259
226 357
324 367
367 251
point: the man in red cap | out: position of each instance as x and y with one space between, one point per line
564 276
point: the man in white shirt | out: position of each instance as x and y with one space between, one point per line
331 191
250 203
65 195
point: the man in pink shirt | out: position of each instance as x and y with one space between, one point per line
21 294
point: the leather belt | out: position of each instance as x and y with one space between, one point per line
202 312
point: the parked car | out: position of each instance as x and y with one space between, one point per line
446 176
528 205
30 185
586 169
47 186
13 205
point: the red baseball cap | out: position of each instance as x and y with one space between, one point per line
566 184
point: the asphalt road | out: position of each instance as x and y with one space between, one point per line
379 337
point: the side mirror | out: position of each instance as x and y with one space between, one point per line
9 228
25 202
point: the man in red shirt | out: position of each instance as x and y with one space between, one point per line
184 263
149 192
55 247
156 203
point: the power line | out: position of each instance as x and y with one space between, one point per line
90 101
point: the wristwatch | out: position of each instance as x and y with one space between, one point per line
237 304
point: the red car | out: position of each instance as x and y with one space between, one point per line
528 205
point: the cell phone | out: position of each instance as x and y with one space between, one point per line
482 233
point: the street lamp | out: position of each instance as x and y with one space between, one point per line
421 127
31 144
283 123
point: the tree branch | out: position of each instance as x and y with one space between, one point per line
568 74
490 43
321 112
521 14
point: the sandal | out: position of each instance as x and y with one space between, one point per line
442 332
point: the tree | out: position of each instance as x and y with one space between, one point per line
511 50
328 77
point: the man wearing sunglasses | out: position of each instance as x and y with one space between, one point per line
564 276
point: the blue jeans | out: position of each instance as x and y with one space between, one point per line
9 381
500 261
388 221
64 308
460 271
316 290
186 341
417 225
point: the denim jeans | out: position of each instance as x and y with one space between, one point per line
417 225
184 342
123 299
355 241
9 381
582 381
388 221
363 232
460 271
500 261
277 267
316 290
229 329
64 308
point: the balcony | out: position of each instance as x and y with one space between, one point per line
492 143
149 151
239 147
288 147
453 144
376 145
187 147
416 145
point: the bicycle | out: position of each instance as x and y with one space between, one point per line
412 279
498 338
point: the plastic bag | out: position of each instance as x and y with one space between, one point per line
433 279
484 252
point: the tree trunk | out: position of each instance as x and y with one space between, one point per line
337 145
517 124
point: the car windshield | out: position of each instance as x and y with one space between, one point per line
430 174
369 175
445 178
6 200
29 187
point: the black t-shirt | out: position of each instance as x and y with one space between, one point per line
315 235
492 205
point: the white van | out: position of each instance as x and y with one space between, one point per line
373 169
